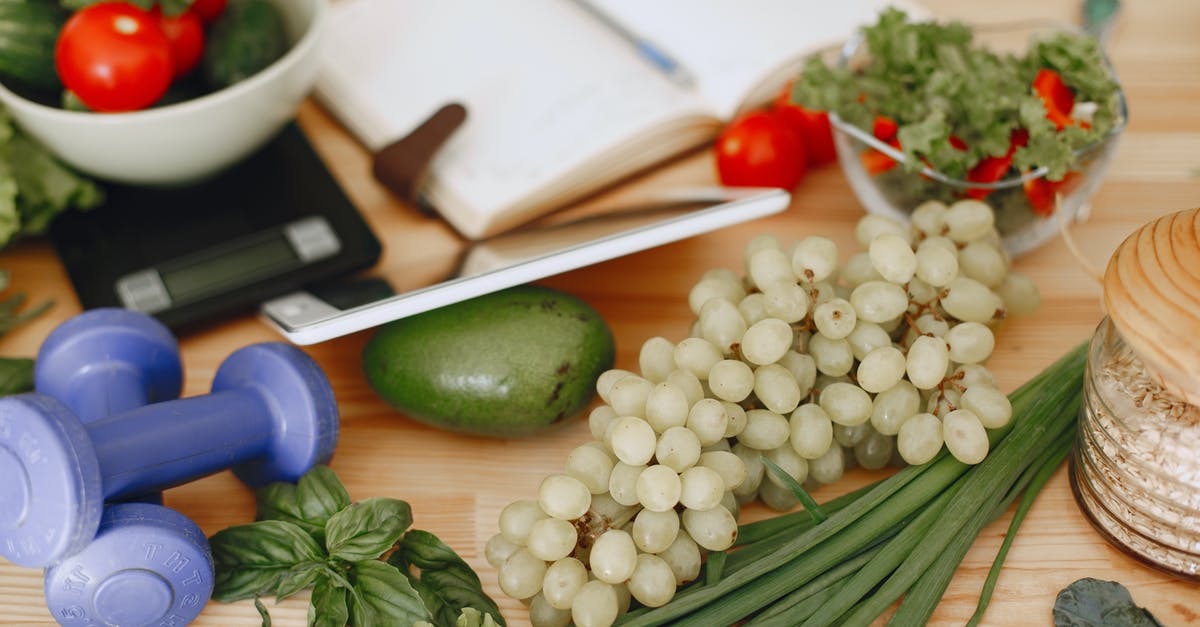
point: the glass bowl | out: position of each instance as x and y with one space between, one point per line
896 192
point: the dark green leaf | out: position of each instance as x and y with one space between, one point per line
1095 603
262 611
308 504
297 579
169 7
367 529
443 574
252 559
385 596
16 375
328 606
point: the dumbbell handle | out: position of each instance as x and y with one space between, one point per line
169 443
107 393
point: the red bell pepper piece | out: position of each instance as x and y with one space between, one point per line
992 169
1056 97
1041 192
885 128
877 162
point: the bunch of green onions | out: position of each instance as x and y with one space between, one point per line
847 561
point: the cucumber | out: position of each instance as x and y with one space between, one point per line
249 36
28 32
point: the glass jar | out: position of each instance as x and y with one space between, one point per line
1136 467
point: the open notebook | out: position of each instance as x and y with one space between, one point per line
558 104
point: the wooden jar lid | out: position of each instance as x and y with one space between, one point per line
1152 294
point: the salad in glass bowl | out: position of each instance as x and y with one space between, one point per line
1023 116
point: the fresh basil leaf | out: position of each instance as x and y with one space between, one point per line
385 596
328 606
1092 602
365 530
296 579
16 375
250 560
444 575
262 611
307 504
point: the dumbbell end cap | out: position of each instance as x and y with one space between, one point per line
50 488
146 565
110 338
302 403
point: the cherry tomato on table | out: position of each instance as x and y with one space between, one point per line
760 149
185 32
114 57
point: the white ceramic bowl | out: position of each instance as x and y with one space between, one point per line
191 140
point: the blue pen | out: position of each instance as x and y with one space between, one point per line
672 68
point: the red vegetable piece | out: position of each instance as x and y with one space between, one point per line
208 10
1056 97
812 126
185 33
1041 192
760 150
957 143
885 128
877 162
114 57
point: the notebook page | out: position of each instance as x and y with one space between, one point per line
733 46
546 87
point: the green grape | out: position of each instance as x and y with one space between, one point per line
653 531
866 337
814 259
776 388
928 358
1019 294
786 301
803 368
929 218
893 257
968 219
893 406
697 356
971 301
859 269
591 464
709 421
829 467
689 383
613 557
666 406
983 262
606 380
521 574
727 287
726 464
764 430
542 614
562 581
752 462
790 461
965 436
835 318
881 369
714 529
653 581
753 307
920 438
551 539
846 404
970 342
769 267
777 498
936 265
678 448
871 226
656 359
974 374
517 517
989 404
599 420
498 548
737 419
731 380
766 341
721 324
622 483
874 451
683 556
879 301
832 357
811 431
850 435
632 440
701 488
564 496
595 605
943 402
658 488
628 395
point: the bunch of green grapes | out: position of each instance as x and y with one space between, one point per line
813 365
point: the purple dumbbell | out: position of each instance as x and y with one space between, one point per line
147 563
271 416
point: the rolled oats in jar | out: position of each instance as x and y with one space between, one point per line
1136 467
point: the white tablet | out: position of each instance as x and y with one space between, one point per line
518 257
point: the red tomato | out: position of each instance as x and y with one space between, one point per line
114 56
208 10
185 32
885 128
760 150
812 126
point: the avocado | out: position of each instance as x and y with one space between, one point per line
506 364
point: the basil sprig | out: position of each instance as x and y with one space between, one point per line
311 535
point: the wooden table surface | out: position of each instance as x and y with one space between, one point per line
457 485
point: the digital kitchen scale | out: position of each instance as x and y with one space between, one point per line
272 224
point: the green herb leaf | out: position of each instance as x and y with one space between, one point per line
446 583
367 529
385 596
297 578
328 606
169 7
1093 603
16 375
262 611
252 560
308 504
